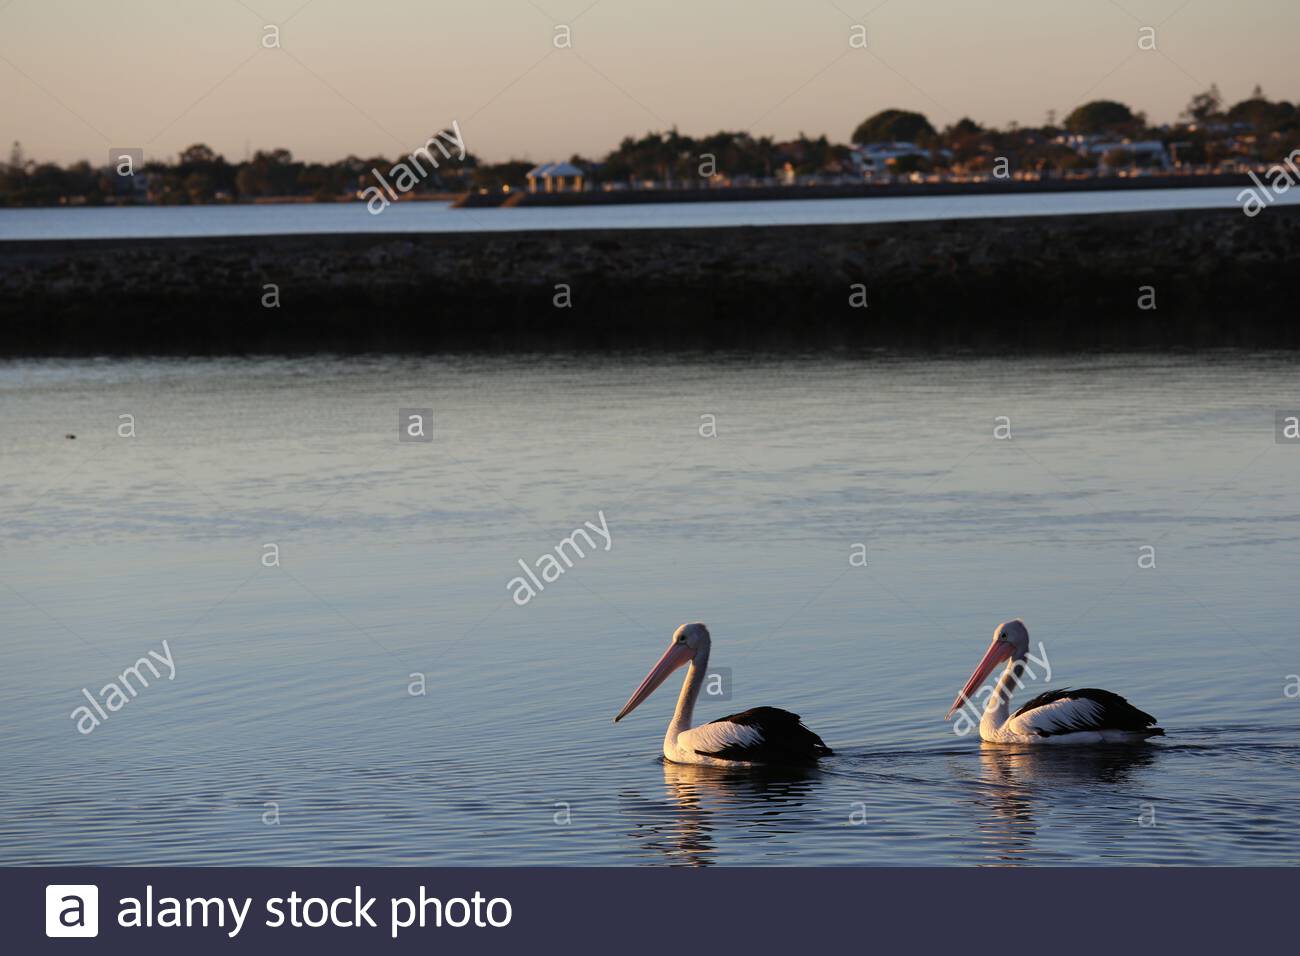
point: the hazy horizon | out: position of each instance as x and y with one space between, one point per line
80 78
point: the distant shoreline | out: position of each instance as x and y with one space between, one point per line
1215 279
616 197
449 198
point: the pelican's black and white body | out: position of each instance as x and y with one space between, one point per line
763 735
1083 716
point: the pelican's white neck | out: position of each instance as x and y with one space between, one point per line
685 711
999 704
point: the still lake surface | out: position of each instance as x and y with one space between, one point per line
260 220
292 685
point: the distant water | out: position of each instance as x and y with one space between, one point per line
294 218
289 734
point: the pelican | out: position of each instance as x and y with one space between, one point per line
1083 716
764 735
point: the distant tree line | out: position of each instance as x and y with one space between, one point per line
200 175
1208 132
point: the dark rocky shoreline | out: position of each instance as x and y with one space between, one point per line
1038 283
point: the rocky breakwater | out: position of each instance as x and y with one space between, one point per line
1139 280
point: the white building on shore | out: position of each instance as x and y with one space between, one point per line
874 159
1147 152
556 178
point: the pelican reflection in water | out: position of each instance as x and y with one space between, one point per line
1016 782
701 801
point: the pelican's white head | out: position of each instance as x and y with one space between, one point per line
694 636
1010 642
1016 634
688 642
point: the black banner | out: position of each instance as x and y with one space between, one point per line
625 911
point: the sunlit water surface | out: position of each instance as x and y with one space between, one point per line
296 218
291 735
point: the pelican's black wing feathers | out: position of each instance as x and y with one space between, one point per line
774 736
1099 710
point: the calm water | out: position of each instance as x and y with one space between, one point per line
145 221
292 684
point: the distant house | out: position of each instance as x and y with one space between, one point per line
871 158
556 178
1151 152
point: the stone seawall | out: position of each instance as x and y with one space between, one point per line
1218 279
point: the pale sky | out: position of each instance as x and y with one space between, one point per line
80 76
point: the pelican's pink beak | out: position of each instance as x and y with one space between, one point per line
998 651
674 657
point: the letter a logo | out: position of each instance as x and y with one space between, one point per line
71 909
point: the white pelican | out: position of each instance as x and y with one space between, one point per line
764 735
1083 716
